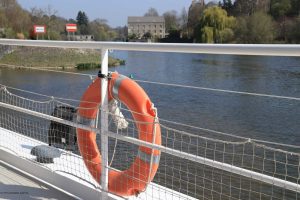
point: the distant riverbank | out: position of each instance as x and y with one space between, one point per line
54 58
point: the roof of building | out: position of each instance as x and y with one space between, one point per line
145 19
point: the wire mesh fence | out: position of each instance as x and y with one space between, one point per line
176 176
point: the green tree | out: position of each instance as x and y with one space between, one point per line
212 3
183 20
9 33
47 16
171 20
207 34
4 4
244 7
293 31
147 35
3 19
152 12
255 29
83 23
79 18
101 30
51 22
122 33
295 8
132 36
194 16
215 25
228 6
14 18
279 8
248 7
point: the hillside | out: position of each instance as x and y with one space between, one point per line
53 57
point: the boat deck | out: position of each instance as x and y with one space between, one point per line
67 170
14 185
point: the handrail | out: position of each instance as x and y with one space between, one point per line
201 160
59 99
228 49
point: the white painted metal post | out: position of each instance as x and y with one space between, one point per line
104 124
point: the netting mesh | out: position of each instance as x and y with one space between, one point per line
177 176
207 182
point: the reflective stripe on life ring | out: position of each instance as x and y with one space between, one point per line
133 180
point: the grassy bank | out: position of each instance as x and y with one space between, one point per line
56 58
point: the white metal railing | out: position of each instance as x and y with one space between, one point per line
229 49
104 122
234 49
105 134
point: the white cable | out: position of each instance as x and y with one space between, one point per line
229 134
178 85
220 90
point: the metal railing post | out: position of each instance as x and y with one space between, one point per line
104 124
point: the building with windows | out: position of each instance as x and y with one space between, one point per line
140 26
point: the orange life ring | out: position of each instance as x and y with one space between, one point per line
135 179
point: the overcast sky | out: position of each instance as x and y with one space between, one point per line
115 11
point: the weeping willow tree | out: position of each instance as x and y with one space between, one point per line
215 26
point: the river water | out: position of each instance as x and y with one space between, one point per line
257 117
263 118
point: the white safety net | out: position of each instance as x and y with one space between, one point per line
193 164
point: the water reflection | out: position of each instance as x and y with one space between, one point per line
259 117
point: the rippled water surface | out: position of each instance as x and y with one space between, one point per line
264 118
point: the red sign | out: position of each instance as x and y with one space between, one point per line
71 27
39 29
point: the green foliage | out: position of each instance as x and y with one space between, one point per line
152 12
295 8
249 7
183 20
54 35
83 23
9 33
13 18
56 57
207 34
215 25
194 16
3 19
176 24
255 29
101 31
82 19
293 31
245 7
16 22
147 35
228 6
171 21
227 35
174 34
132 36
85 66
280 8
112 62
